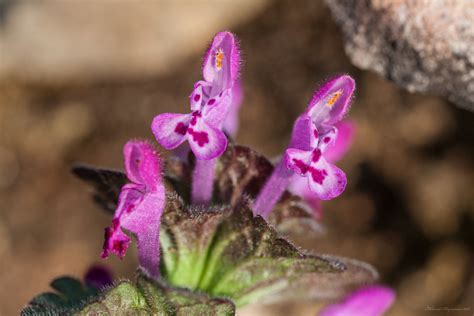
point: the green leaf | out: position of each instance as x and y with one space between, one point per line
226 252
143 297
71 295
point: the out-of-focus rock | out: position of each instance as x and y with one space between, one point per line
422 45
58 41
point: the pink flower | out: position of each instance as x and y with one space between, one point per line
140 206
314 132
210 102
299 185
369 301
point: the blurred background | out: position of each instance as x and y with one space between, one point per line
80 78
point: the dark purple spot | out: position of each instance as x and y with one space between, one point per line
318 175
195 114
326 139
315 133
316 155
197 97
119 247
181 128
301 166
211 101
220 94
200 138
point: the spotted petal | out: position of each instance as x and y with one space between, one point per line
326 180
298 160
170 129
115 240
141 163
345 137
328 139
206 141
217 108
331 102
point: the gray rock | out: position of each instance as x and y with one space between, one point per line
422 45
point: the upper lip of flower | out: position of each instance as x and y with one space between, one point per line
210 102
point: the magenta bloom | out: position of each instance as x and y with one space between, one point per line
313 135
299 185
210 102
369 301
140 206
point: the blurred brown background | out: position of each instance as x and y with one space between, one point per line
80 78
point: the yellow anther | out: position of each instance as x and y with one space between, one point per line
334 98
219 56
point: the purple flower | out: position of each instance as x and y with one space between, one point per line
210 102
369 301
313 134
299 185
140 206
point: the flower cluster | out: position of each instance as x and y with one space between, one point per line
319 138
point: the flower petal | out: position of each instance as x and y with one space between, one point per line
217 108
298 160
222 61
144 223
305 134
115 240
331 102
141 163
345 137
170 129
299 186
231 123
196 97
326 180
369 301
327 139
206 141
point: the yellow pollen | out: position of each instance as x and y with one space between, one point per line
334 98
219 57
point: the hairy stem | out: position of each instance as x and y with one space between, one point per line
273 189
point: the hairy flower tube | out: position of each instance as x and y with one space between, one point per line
368 301
210 103
140 207
313 133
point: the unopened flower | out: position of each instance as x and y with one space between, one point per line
140 206
313 133
369 301
98 277
210 102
